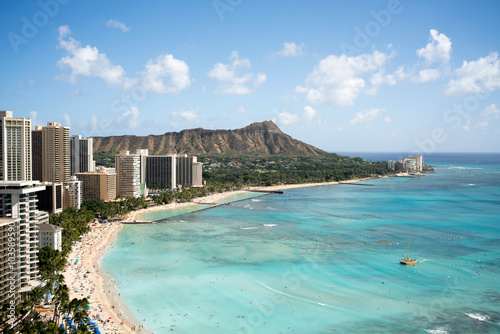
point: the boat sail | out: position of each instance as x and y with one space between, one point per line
408 260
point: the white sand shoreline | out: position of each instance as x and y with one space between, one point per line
106 308
105 301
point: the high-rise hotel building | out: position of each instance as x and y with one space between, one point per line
82 156
55 153
171 171
15 147
73 193
100 185
189 171
18 202
161 172
36 154
128 174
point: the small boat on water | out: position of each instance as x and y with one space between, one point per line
408 260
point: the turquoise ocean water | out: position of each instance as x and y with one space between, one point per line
310 260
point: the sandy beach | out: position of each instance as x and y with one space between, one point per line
85 278
85 281
135 215
303 185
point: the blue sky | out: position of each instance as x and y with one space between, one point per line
413 76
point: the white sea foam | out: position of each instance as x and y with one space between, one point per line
269 225
248 228
478 316
436 331
461 167
471 184
255 200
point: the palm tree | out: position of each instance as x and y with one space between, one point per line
61 297
78 308
73 305
4 311
8 330
37 294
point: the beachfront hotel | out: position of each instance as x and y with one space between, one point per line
55 153
50 235
189 171
171 171
161 172
15 147
82 156
72 193
412 164
99 185
51 199
128 174
18 202
36 153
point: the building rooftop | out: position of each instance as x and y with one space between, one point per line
49 228
4 221
20 186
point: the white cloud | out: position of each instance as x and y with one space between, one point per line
86 61
491 112
33 115
291 50
437 50
129 119
162 75
239 110
286 118
387 120
337 80
261 78
94 122
483 126
166 67
309 113
64 31
231 81
466 126
30 83
66 120
379 78
184 117
477 76
367 116
427 75
118 25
